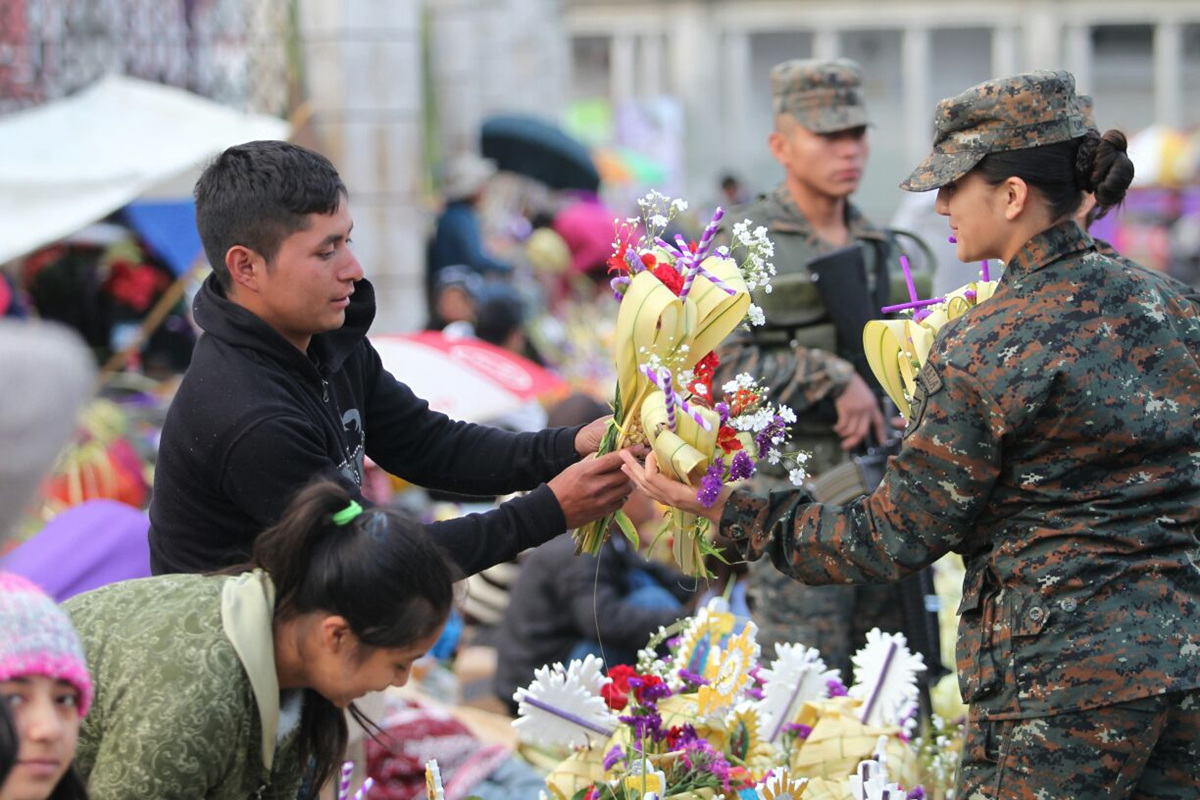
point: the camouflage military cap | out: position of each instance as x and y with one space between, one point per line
1027 110
823 96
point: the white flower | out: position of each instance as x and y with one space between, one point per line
678 206
756 315
743 380
658 221
797 476
686 377
700 389
773 456
788 415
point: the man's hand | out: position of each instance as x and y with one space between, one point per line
587 441
857 414
593 488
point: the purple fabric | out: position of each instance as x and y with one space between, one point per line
85 547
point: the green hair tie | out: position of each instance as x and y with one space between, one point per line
347 514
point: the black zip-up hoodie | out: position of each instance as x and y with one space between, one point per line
255 420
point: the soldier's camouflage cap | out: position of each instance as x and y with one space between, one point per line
1027 110
823 96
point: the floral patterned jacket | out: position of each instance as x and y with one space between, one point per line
187 700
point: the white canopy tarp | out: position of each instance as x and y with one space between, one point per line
69 163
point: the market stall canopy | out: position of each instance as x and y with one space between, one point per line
77 160
465 378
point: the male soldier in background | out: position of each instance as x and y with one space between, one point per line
810 354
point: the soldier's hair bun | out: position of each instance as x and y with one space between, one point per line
1103 166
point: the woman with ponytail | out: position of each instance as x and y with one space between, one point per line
233 685
1053 442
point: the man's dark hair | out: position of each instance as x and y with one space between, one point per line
259 193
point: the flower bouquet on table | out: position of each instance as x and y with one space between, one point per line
679 300
898 348
711 720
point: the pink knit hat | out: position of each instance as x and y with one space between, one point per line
36 638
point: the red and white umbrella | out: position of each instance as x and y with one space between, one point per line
465 378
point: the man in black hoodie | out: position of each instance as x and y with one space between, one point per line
284 387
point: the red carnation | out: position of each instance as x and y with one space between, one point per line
616 693
669 277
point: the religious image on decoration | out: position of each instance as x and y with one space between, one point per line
678 301
713 718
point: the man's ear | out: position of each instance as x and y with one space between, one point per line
778 142
1016 197
245 267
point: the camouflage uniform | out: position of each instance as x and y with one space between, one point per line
1055 444
796 355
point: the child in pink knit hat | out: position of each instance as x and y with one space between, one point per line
45 686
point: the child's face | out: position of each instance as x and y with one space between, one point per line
46 714
342 674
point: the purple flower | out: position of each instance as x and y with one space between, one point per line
801 731
645 726
836 687
766 437
723 410
742 466
711 484
612 757
755 692
699 754
917 793
970 295
692 678
652 694
619 284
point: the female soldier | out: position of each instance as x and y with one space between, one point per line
1054 443
227 686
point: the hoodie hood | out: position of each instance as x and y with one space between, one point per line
233 324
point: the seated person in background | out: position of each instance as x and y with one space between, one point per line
456 295
565 606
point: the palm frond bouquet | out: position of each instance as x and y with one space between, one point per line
678 301
711 721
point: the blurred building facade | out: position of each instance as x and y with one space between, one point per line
388 88
1141 62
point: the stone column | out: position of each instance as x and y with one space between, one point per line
918 92
1079 56
694 80
734 91
454 32
1042 34
650 61
363 69
827 44
1168 73
623 61
1004 51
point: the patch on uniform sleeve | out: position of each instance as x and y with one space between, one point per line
929 383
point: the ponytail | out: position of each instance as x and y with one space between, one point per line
378 569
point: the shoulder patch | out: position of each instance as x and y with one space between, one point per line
930 380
